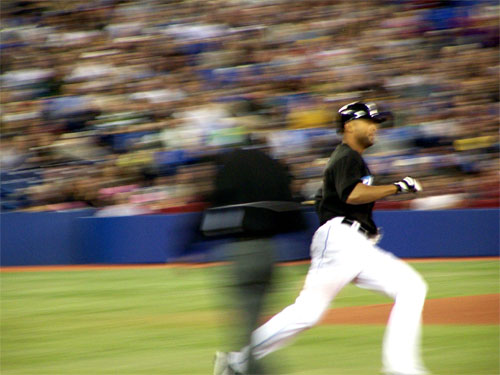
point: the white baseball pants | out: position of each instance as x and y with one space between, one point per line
340 254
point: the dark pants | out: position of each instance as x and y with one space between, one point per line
252 267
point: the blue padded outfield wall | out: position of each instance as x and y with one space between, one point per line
76 237
39 238
135 239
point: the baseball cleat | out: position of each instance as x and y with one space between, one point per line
221 364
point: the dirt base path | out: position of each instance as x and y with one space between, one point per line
91 267
479 309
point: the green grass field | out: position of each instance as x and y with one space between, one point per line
170 321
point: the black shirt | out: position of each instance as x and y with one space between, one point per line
250 175
345 169
252 197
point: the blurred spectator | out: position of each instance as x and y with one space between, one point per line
122 205
15 152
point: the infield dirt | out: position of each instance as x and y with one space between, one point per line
478 309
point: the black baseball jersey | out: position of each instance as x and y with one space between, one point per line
345 169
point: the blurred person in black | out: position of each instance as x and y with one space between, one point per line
252 201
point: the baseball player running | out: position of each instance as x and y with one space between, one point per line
343 250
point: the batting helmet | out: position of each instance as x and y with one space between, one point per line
357 110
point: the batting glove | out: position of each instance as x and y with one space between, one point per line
408 185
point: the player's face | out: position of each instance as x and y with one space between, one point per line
365 132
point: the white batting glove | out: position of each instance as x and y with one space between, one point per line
408 185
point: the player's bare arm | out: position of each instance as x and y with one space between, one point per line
362 193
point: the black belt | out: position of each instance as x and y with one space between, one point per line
366 232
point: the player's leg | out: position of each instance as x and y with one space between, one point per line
319 290
385 273
331 269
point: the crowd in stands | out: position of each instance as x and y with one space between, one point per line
120 104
